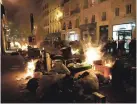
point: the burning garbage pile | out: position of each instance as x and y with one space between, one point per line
93 62
55 80
95 57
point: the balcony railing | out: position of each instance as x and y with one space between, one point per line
77 10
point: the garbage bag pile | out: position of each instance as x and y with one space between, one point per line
64 88
59 85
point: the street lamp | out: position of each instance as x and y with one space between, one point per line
59 15
1 1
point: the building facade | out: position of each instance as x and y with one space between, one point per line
51 18
71 20
45 16
97 19
4 30
123 23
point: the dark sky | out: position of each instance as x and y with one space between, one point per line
18 11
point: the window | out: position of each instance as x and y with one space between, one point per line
48 30
77 23
102 0
93 19
128 9
103 16
86 20
70 25
116 11
85 4
65 1
73 37
92 2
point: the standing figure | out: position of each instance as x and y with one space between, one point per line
109 46
114 47
130 47
134 48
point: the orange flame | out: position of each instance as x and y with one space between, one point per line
24 47
92 53
109 63
30 68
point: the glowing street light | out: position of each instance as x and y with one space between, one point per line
1 1
59 15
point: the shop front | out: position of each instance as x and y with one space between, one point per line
123 32
73 36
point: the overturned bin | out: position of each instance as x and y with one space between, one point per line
66 52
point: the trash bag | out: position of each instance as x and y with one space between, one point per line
32 85
46 81
100 77
89 83
60 68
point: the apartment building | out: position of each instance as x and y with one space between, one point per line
71 20
4 29
45 16
123 23
99 19
51 18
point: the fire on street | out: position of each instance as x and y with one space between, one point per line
68 51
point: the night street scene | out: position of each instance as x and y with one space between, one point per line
68 51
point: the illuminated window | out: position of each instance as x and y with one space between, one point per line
122 27
92 2
73 37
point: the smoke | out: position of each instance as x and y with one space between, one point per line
18 11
